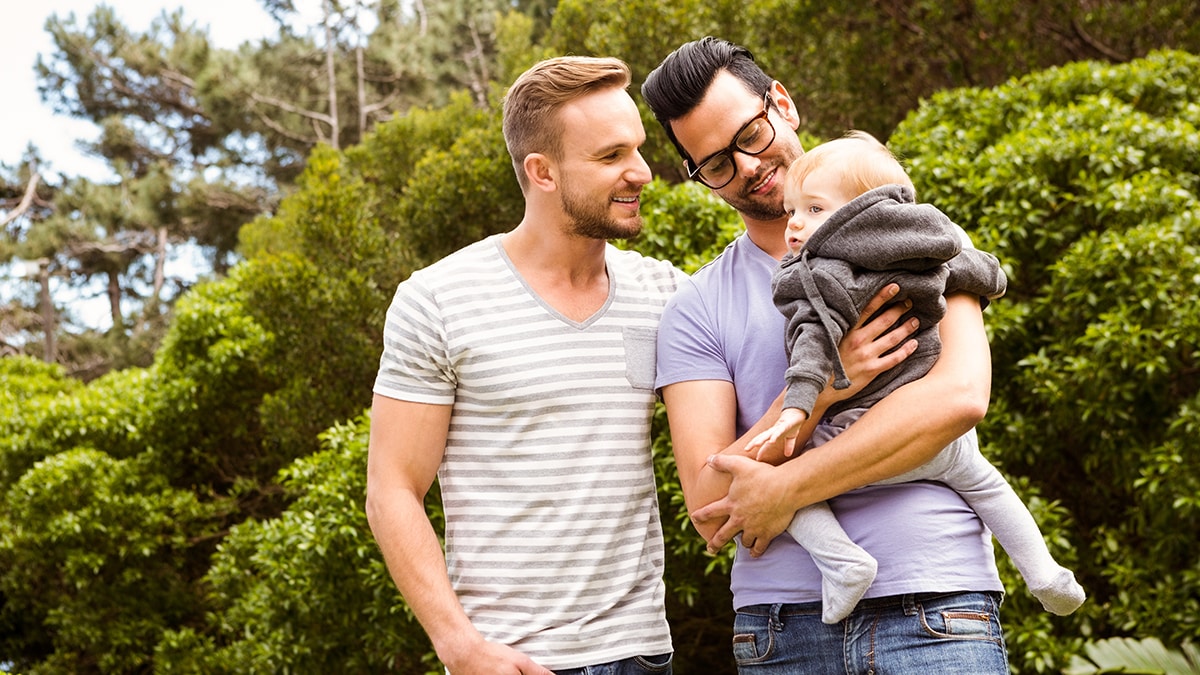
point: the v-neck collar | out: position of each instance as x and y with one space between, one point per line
578 325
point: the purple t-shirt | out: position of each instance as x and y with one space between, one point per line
722 325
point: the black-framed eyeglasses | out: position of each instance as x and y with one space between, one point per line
753 138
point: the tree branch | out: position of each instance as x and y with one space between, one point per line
26 200
1096 44
279 129
284 105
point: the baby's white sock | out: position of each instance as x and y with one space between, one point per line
1061 595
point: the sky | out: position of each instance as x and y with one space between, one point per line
23 37
25 119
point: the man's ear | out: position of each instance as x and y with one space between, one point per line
783 101
539 169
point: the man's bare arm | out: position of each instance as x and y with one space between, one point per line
408 441
900 433
702 413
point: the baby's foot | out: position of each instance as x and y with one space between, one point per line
840 598
1062 595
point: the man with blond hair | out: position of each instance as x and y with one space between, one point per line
519 371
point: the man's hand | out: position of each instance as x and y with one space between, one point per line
755 491
866 350
489 658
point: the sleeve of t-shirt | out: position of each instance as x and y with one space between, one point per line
688 344
415 364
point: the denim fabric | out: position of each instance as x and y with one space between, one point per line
659 664
922 633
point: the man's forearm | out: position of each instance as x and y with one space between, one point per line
910 425
897 434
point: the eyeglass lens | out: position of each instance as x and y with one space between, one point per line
753 139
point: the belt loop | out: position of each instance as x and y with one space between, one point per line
775 622
909 604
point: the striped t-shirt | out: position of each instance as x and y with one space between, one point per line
553 539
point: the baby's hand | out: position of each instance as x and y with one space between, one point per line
778 443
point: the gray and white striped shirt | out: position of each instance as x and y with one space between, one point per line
553 539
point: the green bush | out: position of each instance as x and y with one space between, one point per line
190 517
1084 181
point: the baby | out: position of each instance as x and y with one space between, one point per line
853 228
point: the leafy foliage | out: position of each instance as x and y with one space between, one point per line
306 592
1084 181
1123 655
203 513
102 599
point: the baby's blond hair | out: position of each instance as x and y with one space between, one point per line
862 163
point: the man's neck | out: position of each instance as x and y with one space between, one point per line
567 273
570 260
768 235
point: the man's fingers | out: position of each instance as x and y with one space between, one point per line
890 339
717 509
882 324
723 536
759 547
894 358
881 298
728 463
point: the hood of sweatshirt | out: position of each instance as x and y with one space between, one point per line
884 229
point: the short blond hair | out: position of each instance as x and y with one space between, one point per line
861 161
532 103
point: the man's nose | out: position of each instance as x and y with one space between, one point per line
746 165
639 170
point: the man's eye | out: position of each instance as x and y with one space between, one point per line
717 164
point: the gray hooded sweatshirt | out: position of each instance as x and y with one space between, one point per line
879 238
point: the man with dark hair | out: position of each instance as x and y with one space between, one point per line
934 604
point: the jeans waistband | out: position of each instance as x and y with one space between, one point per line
904 601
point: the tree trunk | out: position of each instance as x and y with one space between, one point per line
331 74
160 267
114 300
49 321
362 91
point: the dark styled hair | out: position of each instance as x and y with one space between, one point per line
676 86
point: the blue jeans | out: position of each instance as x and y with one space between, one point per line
659 664
923 633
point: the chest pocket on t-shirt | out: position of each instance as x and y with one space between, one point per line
640 356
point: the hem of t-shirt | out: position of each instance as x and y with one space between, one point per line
980 585
608 656
412 397
717 376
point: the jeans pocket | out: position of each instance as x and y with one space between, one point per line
659 663
754 635
962 616
745 648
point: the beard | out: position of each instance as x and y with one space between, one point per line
592 218
768 206
756 207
